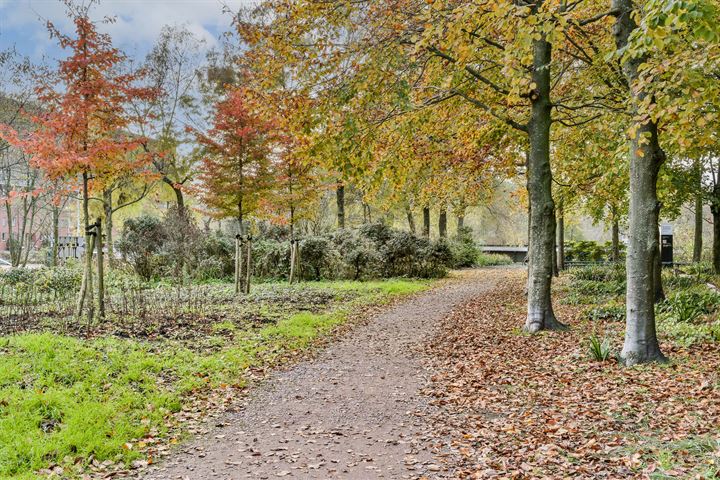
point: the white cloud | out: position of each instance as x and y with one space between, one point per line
138 22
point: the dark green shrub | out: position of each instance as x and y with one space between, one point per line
401 253
271 259
141 243
465 251
600 273
359 253
377 232
319 258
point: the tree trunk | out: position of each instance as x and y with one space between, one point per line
100 269
179 196
460 222
239 252
542 208
85 296
657 276
442 223
646 157
426 222
615 239
56 235
698 242
107 204
340 200
248 265
561 240
410 219
716 232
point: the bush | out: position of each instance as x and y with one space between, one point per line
319 258
465 251
688 305
141 243
359 253
589 251
611 312
493 260
600 273
271 259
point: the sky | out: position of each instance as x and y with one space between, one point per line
137 25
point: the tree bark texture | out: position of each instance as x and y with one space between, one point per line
698 240
426 222
540 315
442 223
646 157
340 200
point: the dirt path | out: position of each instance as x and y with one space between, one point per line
354 412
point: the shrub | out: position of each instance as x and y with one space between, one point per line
271 259
493 260
600 273
61 280
588 251
465 251
611 312
141 242
319 258
17 276
689 305
359 253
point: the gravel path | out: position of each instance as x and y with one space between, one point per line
353 412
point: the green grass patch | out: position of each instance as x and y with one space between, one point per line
65 400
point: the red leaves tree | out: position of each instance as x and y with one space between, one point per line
84 127
236 168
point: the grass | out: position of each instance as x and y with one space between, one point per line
65 401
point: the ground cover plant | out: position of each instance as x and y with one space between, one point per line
561 406
76 399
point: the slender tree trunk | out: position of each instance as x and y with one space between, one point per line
107 204
85 296
646 157
561 239
442 223
615 239
14 261
340 200
410 219
100 269
426 222
460 222
716 231
248 269
179 196
56 235
239 251
542 208
698 242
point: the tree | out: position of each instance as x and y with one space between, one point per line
236 169
495 56
173 69
83 128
